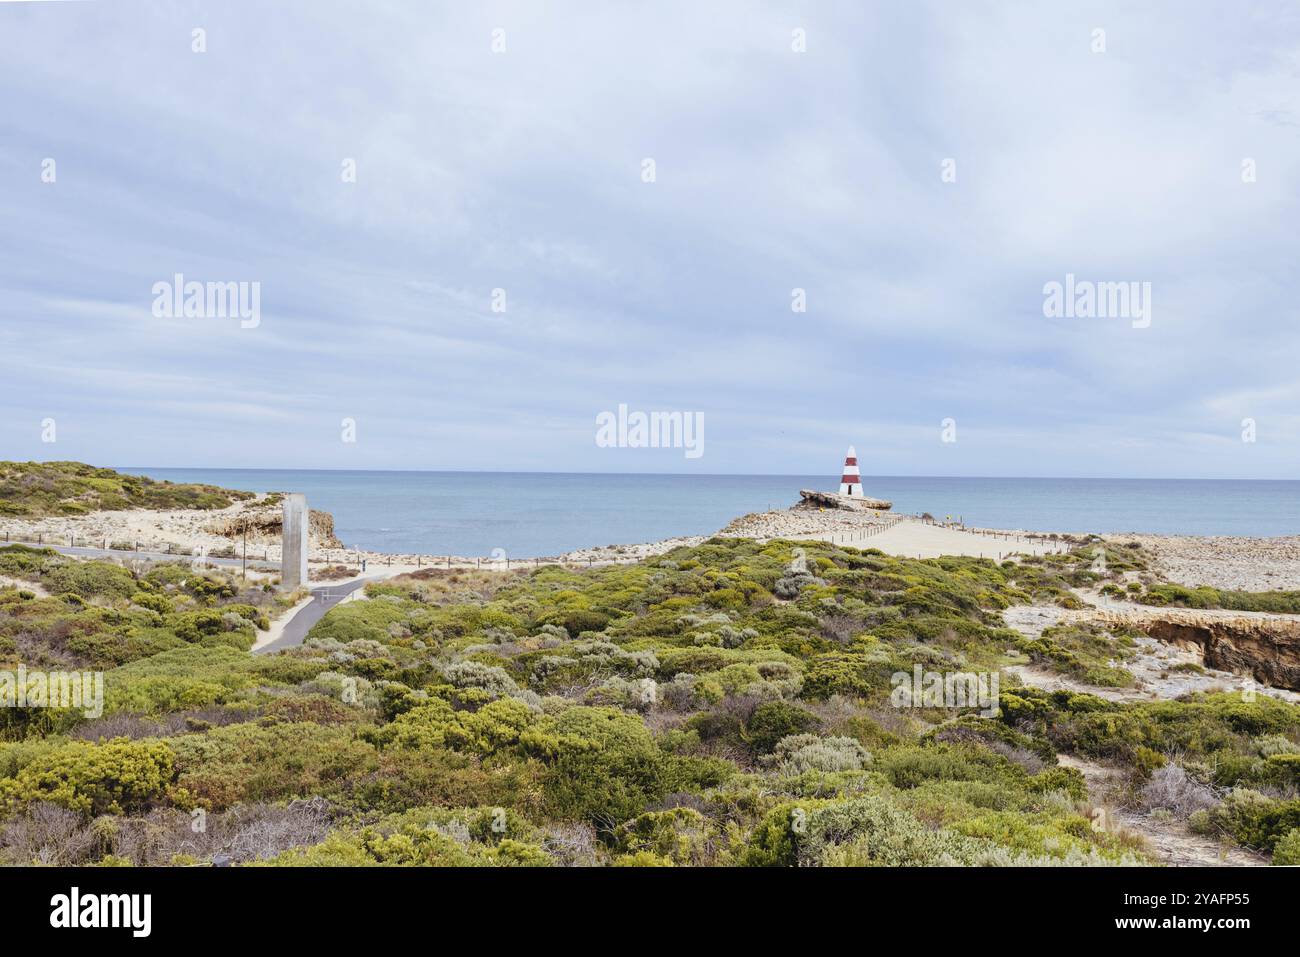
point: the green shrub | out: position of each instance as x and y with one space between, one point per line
774 720
1256 820
1203 596
495 726
865 832
407 843
25 561
245 763
90 580
679 835
1286 853
1083 651
115 777
803 753
602 765
523 695
360 620
580 620
154 602
73 488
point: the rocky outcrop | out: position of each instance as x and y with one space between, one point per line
808 498
264 524
1267 649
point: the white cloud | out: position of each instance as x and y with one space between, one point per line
817 170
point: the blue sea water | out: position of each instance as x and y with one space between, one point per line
546 513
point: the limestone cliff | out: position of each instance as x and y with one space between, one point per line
1267 649
264 522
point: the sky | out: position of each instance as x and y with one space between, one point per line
503 268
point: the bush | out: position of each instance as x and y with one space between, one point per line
1084 651
1286 853
678 835
531 694
602 766
360 619
1171 788
116 777
774 720
801 753
408 844
576 622
851 674
910 766
868 831
90 580
472 674
1256 820
275 762
27 562
1203 596
494 727
73 488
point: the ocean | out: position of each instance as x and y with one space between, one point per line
525 515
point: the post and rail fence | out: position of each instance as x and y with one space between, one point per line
341 556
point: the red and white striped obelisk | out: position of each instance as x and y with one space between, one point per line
851 480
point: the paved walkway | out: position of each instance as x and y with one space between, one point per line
297 624
287 632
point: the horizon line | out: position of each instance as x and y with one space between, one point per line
800 475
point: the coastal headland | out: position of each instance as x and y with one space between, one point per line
72 510
1137 698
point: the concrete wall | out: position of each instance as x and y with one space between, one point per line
293 561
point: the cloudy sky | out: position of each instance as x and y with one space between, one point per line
523 170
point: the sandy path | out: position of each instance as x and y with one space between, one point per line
1168 841
915 539
35 589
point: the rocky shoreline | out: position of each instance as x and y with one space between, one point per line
182 531
1236 563
1232 563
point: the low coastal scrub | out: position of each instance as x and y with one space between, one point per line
732 703
1084 651
99 615
1221 731
1227 762
1092 564
1203 596
35 489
